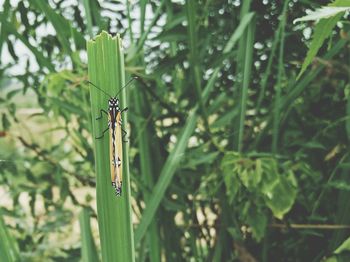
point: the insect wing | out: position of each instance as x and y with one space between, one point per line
115 148
119 146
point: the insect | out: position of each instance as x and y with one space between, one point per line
116 135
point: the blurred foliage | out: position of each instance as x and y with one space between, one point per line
263 152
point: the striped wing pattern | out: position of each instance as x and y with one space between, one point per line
115 149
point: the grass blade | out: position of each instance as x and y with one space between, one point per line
193 54
166 175
106 70
247 66
88 248
175 156
277 104
243 73
322 31
246 19
148 156
87 8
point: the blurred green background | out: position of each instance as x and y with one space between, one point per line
232 157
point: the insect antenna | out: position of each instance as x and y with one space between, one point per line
127 84
99 89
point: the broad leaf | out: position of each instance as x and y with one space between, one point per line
282 197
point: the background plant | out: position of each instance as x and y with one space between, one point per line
219 126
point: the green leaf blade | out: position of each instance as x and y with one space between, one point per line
106 70
88 249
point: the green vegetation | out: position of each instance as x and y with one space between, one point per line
106 70
238 130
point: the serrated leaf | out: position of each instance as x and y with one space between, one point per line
322 31
321 13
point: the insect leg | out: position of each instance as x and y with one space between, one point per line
125 109
103 133
124 133
101 110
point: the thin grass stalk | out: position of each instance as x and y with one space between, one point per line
142 5
263 82
277 104
266 75
245 9
240 95
88 16
171 237
191 13
173 160
277 38
145 34
177 81
147 148
342 212
304 82
265 247
343 204
223 239
128 8
247 66
106 70
329 180
171 163
287 101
